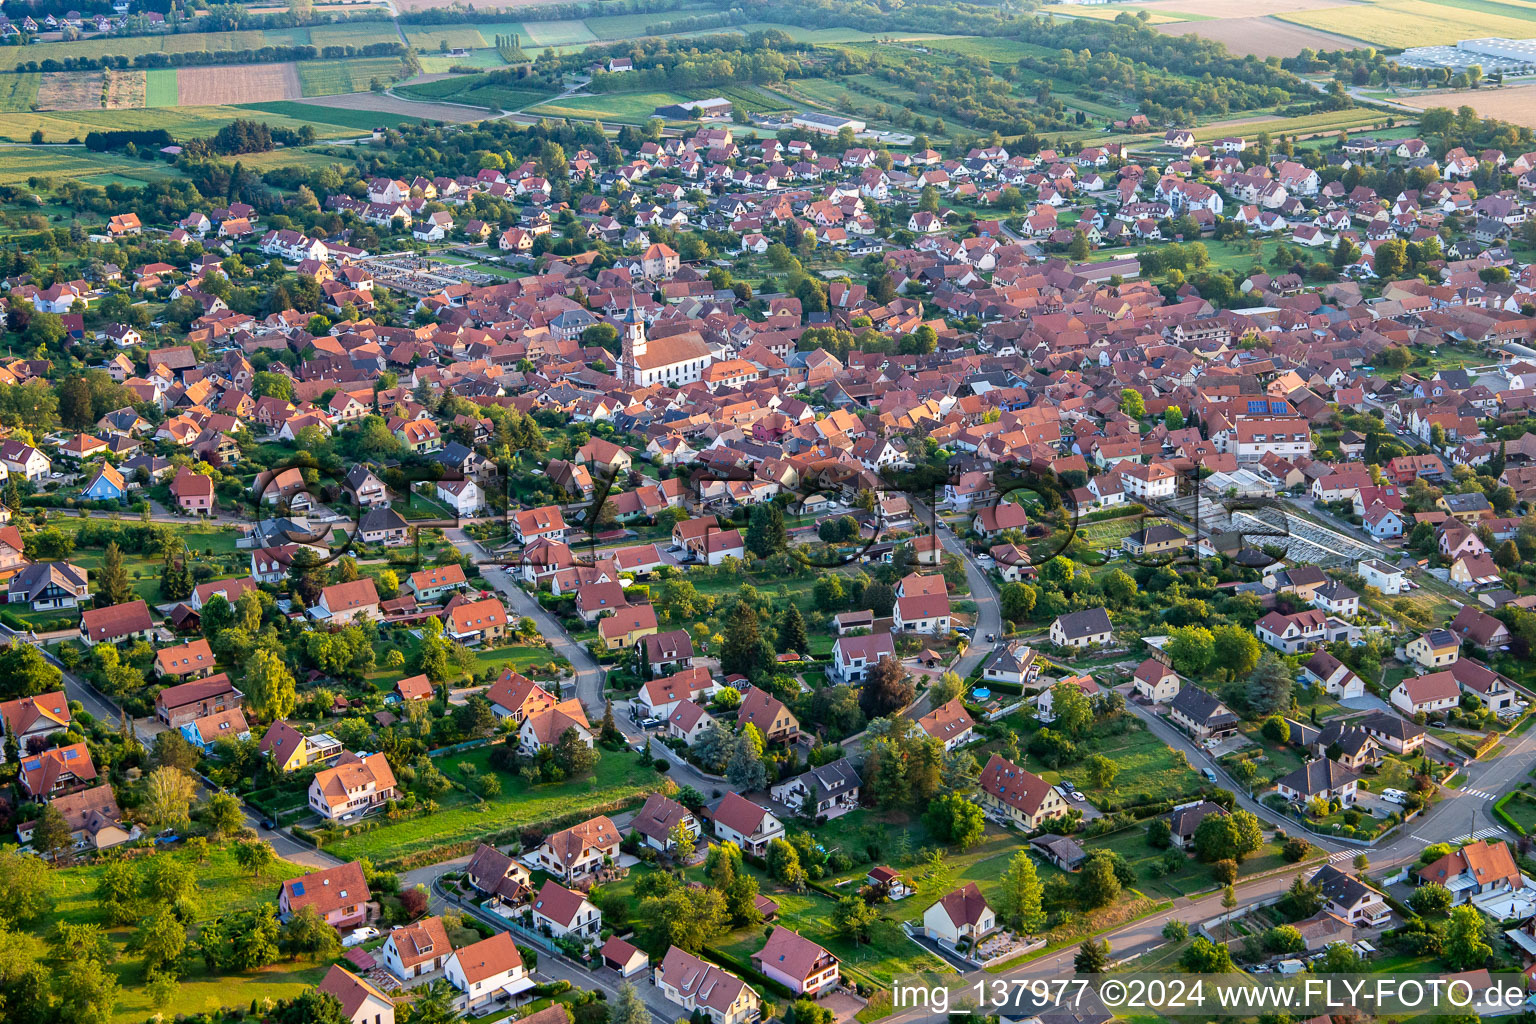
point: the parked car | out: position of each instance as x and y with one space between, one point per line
358 936
1394 796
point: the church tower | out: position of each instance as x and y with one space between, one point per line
632 346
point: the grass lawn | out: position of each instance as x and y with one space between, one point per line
222 887
619 776
888 954
1149 768
519 658
200 992
629 107
1521 808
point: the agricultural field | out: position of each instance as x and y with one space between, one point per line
1402 23
430 37
1260 37
626 108
182 123
251 83
18 163
333 78
132 46
161 88
391 109
359 34
362 120
124 90
558 33
442 63
1113 11
19 91
1515 104
70 90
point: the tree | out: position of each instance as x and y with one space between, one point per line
168 794
308 932
117 892
75 404
87 993
887 689
766 535
223 814
51 835
852 918
1191 648
24 672
1101 771
1206 957
784 865
1465 944
1430 899
681 841
1234 835
26 888
745 768
174 750
1092 957
628 1008
1018 601
161 938
1234 649
1097 884
1019 902
1175 931
1132 404
743 651
1269 686
573 755
112 586
684 917
1245 772
1302 899
956 820
792 635
255 856
1071 710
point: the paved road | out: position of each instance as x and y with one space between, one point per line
589 674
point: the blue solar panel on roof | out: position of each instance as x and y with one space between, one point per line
70 755
31 766
298 888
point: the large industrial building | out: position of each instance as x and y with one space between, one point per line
1494 53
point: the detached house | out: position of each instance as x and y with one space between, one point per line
1084 628
822 793
702 988
797 963
961 916
1020 796
748 825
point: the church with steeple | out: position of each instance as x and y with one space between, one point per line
671 361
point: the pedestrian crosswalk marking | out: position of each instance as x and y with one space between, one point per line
1341 855
1482 833
1480 794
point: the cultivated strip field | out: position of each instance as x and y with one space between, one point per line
18 92
368 101
1515 104
1261 37
252 83
1420 22
70 90
124 90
